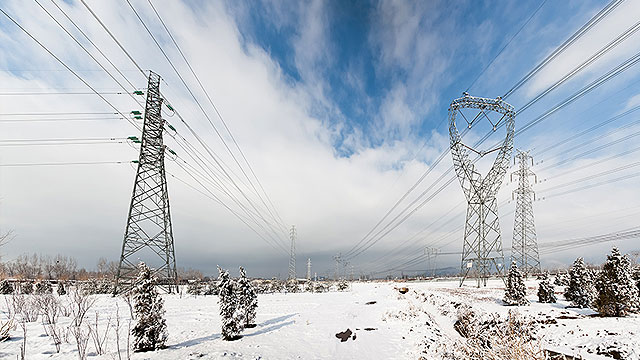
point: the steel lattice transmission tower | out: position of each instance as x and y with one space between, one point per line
309 269
482 245
149 233
432 255
525 244
292 258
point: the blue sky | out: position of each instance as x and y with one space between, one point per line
340 106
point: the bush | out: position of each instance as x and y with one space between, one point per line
150 331
6 288
580 291
546 290
617 291
516 291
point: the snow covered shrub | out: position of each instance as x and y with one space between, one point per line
26 287
546 290
309 286
342 285
488 336
247 298
228 299
617 292
580 290
5 287
636 277
61 288
516 291
276 285
43 287
194 288
212 289
150 331
292 286
562 279
319 288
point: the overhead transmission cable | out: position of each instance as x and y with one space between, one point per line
507 44
195 99
219 162
594 20
213 105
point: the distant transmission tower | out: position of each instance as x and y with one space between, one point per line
338 259
482 244
524 245
432 254
292 259
309 269
149 234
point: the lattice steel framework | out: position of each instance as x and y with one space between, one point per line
482 245
525 244
149 222
432 255
292 258
308 269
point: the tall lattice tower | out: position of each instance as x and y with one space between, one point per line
292 258
149 234
308 269
525 244
432 255
482 252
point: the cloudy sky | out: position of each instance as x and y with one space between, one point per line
339 107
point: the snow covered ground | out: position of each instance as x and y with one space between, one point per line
303 325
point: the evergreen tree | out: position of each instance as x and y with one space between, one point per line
212 289
546 290
61 288
26 287
617 292
292 286
342 285
248 299
561 279
580 291
150 331
636 277
43 287
516 291
5 287
228 300
195 288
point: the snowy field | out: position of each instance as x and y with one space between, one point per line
418 324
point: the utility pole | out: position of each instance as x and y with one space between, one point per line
525 244
309 269
432 254
292 259
482 243
149 232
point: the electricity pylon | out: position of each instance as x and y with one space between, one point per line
482 244
149 222
432 254
309 269
338 260
525 244
292 258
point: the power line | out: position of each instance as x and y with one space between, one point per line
195 99
507 44
572 39
67 163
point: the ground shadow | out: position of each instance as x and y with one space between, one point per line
277 320
192 342
265 330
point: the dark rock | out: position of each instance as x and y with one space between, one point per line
344 336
